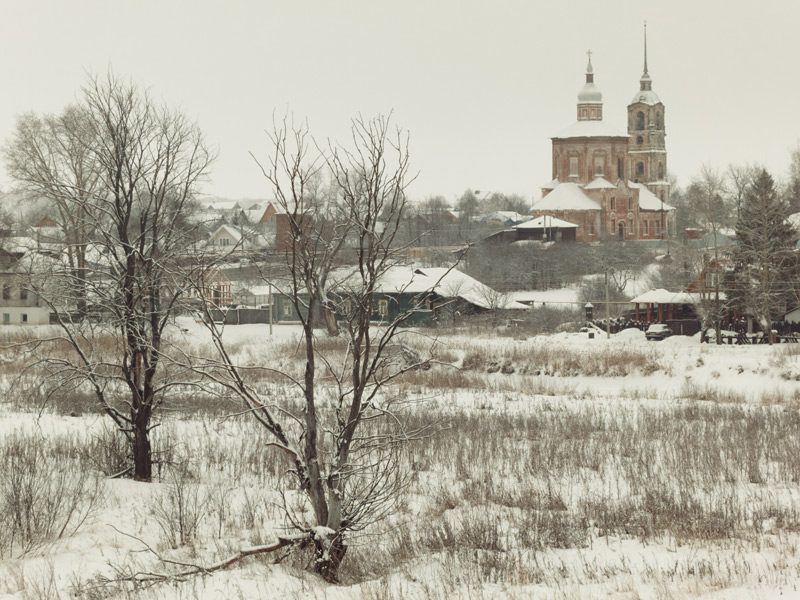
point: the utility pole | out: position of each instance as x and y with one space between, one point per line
608 310
269 301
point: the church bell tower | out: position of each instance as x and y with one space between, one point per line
647 153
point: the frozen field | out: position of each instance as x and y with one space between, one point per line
561 467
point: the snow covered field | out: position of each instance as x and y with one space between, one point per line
561 467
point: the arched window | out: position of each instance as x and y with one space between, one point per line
661 171
640 168
639 121
621 230
645 228
612 203
620 172
659 122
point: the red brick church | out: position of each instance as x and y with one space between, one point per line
609 183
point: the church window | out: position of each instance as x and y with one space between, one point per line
630 203
640 168
599 165
640 121
659 122
620 173
645 227
661 171
639 140
573 166
612 203
590 228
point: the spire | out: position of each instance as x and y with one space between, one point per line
645 83
589 69
645 47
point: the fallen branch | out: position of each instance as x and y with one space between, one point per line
149 577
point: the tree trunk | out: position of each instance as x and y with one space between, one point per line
142 457
328 554
330 321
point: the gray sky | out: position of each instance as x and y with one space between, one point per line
480 86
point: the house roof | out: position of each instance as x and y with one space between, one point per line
600 183
235 235
443 281
544 222
648 200
551 185
567 196
662 296
590 129
223 205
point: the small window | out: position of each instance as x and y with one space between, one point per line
639 140
620 172
6 292
613 203
383 308
6 318
23 294
640 168
24 318
287 309
661 171
712 279
639 121
630 203
573 166
645 227
224 242
590 228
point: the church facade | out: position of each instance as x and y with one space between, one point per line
611 184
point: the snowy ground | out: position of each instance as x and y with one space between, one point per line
566 467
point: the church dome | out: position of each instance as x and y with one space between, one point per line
590 94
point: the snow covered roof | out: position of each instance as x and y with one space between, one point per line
646 97
600 183
448 283
590 129
231 231
662 296
551 185
224 205
567 196
505 215
544 221
648 200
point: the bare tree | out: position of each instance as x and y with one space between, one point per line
51 157
345 466
707 193
147 161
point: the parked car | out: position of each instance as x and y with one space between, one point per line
658 331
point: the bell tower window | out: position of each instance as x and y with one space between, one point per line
640 121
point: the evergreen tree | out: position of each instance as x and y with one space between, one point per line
764 280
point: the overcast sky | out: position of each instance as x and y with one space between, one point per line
480 86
